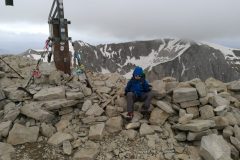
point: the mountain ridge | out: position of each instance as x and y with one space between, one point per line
160 57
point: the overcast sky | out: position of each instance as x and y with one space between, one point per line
104 21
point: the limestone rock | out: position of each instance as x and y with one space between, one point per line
235 142
94 110
10 112
214 147
58 138
96 131
34 110
158 87
145 129
5 127
158 117
221 122
184 94
62 124
6 150
221 110
201 89
206 112
194 111
181 136
59 103
47 130
165 107
185 119
114 124
111 111
74 95
14 94
218 101
234 86
236 131
86 154
228 132
67 148
133 125
86 105
21 134
50 94
215 85
190 104
194 136
195 125
121 102
104 89
130 134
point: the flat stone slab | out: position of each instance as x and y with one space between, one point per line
59 103
165 106
214 147
50 94
74 95
58 138
34 110
184 94
196 125
21 134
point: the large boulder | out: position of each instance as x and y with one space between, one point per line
214 147
21 134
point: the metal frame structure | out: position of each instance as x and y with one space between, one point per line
58 30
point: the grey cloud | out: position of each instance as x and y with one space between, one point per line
100 21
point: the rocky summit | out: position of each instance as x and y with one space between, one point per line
61 117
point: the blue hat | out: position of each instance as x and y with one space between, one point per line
138 71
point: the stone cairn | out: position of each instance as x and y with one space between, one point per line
191 120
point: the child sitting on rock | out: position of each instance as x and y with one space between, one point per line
138 89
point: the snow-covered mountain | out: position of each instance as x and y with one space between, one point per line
182 59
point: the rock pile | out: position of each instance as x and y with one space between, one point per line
190 120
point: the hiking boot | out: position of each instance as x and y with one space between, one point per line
146 114
129 116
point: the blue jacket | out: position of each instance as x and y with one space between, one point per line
138 87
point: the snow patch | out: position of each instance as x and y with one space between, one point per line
104 70
96 54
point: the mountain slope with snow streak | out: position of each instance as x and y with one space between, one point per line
182 59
